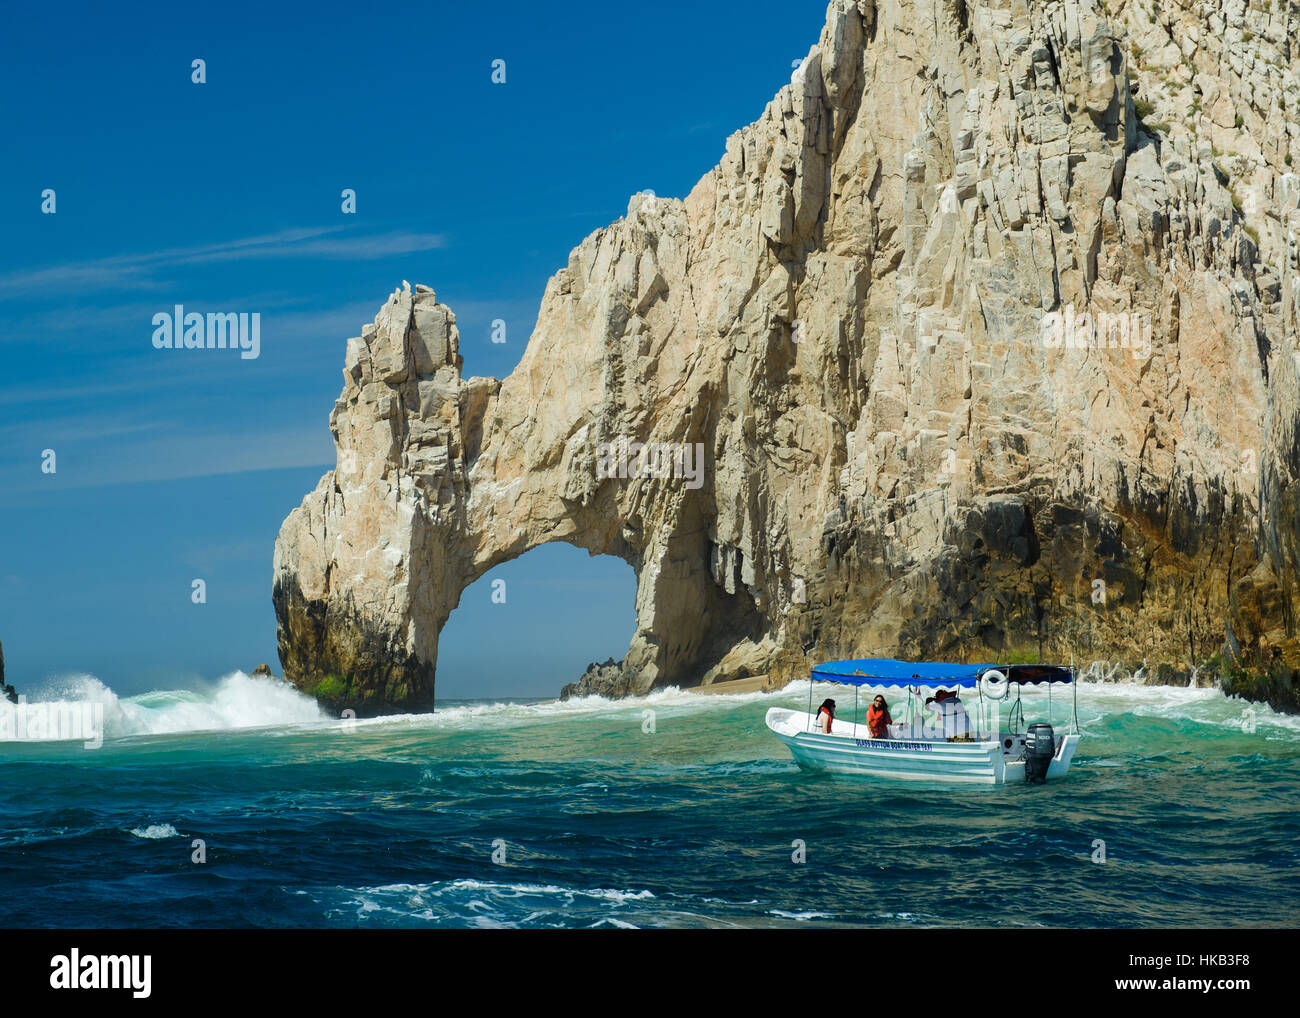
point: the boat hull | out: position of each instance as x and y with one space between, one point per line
850 749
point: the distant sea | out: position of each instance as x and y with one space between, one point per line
1180 810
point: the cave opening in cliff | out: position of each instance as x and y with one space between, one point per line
567 609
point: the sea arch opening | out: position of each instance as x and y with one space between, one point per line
533 623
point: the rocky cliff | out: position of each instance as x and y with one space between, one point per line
6 691
980 342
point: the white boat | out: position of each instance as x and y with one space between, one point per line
991 748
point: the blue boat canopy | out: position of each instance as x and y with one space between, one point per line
886 672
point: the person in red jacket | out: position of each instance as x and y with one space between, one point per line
878 719
825 715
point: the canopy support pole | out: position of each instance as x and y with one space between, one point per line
1074 682
810 691
855 710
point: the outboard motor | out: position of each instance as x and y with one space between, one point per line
1040 747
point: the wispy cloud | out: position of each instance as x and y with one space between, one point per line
22 433
204 554
137 271
282 317
176 456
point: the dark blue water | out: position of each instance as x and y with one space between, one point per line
570 815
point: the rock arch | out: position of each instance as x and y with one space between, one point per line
847 314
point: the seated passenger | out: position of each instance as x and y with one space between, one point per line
952 715
878 719
825 715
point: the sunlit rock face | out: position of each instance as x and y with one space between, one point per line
971 361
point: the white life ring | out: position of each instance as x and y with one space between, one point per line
994 684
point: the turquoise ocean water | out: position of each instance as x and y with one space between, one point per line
547 814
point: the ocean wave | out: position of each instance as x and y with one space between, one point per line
1204 705
80 707
482 903
508 713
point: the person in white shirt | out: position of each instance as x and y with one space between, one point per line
953 719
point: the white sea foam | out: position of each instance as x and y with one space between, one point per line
486 716
518 890
235 701
156 832
1204 705
487 904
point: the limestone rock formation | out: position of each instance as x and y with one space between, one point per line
981 360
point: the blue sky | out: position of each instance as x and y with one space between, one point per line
225 196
